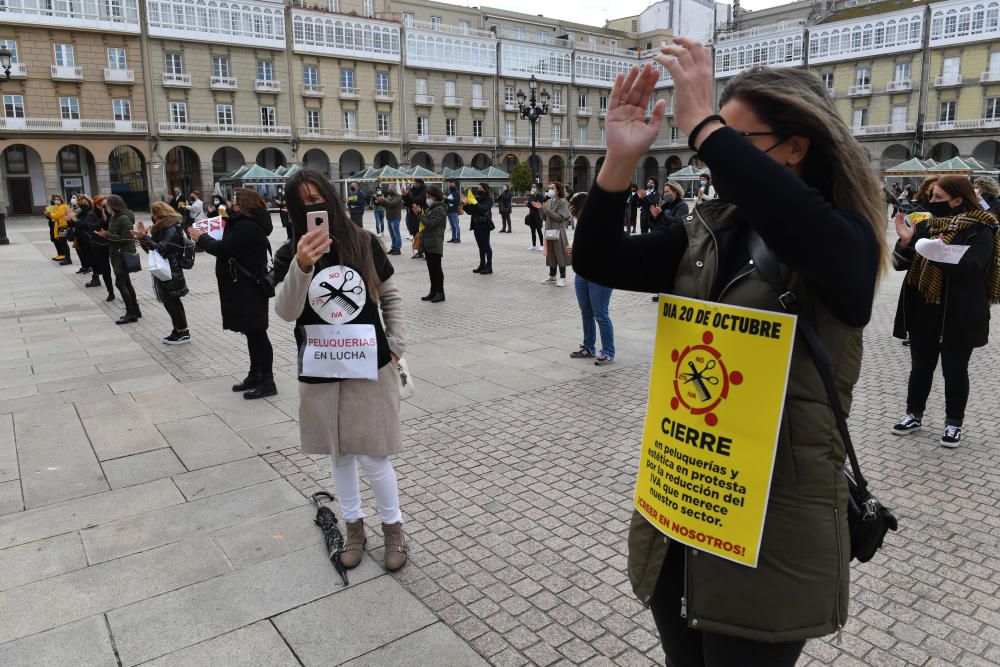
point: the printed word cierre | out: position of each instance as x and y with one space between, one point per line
692 436
737 323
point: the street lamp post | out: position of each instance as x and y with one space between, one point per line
5 56
531 112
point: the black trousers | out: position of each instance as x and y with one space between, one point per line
101 263
483 241
505 221
644 219
924 353
434 272
261 352
412 223
358 219
695 648
124 285
541 237
84 251
175 308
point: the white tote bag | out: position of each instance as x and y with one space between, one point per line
406 389
159 267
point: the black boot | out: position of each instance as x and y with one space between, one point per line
94 282
249 383
488 269
438 298
111 296
127 318
480 268
265 387
428 297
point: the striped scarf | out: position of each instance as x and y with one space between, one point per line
928 277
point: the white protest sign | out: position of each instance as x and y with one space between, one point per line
211 226
937 250
343 351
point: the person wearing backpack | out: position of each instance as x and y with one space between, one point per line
167 237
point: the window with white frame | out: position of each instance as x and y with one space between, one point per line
122 109
420 86
602 132
508 94
11 46
436 22
675 134
422 126
335 6
901 72
312 120
827 79
173 63
268 117
383 123
946 112
408 19
449 89
952 67
382 82
994 64
13 106
557 97
369 7
450 127
592 41
463 27
116 59
581 135
863 76
603 101
178 112
64 55
860 118
519 32
347 78
265 70
220 67
477 91
477 128
350 122
69 108
899 113
992 108
581 99
508 129
556 132
224 114
310 75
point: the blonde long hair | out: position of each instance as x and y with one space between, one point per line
796 104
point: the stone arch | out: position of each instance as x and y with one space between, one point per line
318 160
893 155
422 159
481 161
351 162
943 151
672 164
452 161
988 152
183 169
581 174
509 162
556 169
77 170
651 169
127 170
225 161
24 180
271 158
385 159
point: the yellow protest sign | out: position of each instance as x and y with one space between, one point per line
471 198
716 394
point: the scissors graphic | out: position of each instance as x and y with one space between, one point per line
700 380
340 296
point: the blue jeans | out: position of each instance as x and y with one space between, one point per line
456 230
397 240
379 221
594 300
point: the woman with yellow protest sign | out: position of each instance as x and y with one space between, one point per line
787 170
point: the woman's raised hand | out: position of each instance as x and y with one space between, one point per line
690 65
311 247
626 131
904 230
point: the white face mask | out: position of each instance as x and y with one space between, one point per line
552 192
73 200
978 193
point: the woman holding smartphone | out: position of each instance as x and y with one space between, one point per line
337 286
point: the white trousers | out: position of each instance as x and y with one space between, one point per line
382 478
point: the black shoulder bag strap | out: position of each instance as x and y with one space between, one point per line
770 272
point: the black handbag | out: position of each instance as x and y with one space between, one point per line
131 262
868 520
266 282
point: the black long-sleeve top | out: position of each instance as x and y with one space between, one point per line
835 251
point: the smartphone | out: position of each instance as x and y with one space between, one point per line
317 219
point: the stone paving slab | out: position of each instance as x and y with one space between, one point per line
122 433
434 645
139 468
225 477
201 442
269 537
257 645
83 643
41 559
362 619
169 622
10 497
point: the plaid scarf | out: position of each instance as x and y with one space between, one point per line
928 277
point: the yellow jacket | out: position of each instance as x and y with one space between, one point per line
59 215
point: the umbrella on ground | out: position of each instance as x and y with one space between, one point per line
327 521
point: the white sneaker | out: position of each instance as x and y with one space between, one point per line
409 238
561 282
531 247
540 249
549 281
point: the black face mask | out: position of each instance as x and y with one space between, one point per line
939 209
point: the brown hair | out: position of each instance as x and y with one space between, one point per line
248 199
434 191
164 211
576 204
353 244
116 204
924 191
988 186
560 188
795 103
960 186
80 198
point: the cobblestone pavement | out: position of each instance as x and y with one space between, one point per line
519 464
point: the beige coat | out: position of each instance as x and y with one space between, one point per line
351 416
556 216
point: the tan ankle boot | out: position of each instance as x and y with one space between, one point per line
395 546
354 544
